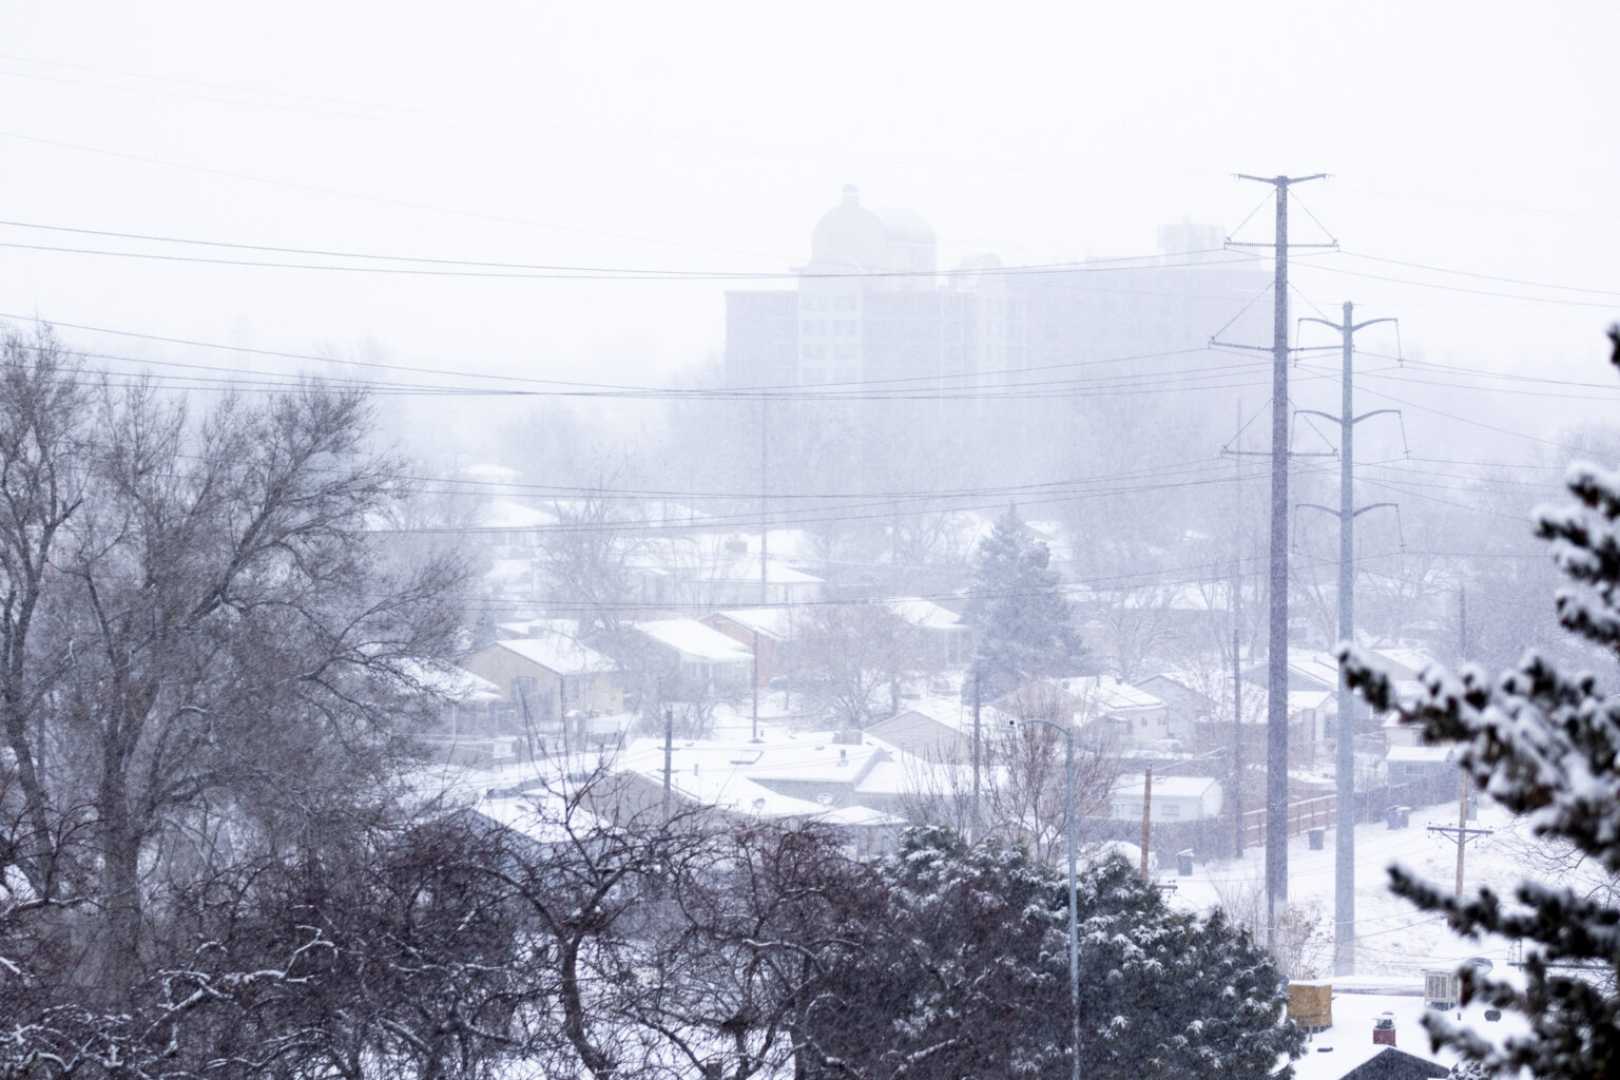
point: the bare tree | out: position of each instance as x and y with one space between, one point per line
195 616
851 656
1021 783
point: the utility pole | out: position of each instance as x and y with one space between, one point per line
1234 608
764 552
1147 819
1461 833
1237 736
1344 838
977 700
1462 623
1277 636
669 755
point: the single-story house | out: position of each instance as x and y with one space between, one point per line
767 631
697 654
1125 712
947 640
1175 798
920 735
550 676
1418 764
1207 702
1308 669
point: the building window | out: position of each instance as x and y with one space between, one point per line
1172 811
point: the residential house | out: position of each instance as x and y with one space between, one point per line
1174 798
717 571
1129 714
696 656
947 641
552 676
1206 702
1308 669
920 735
767 631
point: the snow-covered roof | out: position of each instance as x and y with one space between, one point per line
695 640
733 774
1420 755
1308 699
449 681
1347 1045
1106 694
488 473
1409 660
559 653
511 514
1131 785
1321 666
533 627
859 816
925 614
769 622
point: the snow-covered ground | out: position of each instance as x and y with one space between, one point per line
1392 937
1332 1053
1395 943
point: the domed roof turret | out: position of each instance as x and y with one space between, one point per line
849 236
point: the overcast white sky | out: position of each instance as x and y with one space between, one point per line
710 136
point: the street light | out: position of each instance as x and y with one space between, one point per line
1068 733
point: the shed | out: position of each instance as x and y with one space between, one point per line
1310 1005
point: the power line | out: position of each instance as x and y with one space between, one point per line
1458 288
295 384
436 266
1481 277
1200 572
670 391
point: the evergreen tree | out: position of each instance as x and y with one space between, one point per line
1543 743
1023 622
966 974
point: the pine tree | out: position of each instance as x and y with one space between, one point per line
1543 743
1024 623
966 974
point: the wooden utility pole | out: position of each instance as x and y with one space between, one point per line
1460 834
1147 820
1344 837
977 699
1277 622
669 756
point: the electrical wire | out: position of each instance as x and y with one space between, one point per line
1317 266
438 267
1478 276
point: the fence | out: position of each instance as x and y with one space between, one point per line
1212 838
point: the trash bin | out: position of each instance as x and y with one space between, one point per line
1317 838
1184 862
1406 815
1392 817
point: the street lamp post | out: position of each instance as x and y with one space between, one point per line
1068 731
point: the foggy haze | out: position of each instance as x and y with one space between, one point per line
744 541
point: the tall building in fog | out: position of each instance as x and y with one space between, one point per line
870 304
894 315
